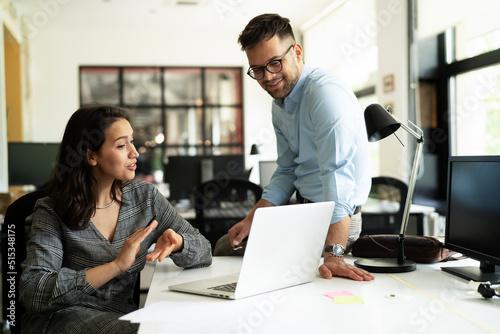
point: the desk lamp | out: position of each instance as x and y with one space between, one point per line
254 150
381 123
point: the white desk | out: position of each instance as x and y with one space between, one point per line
427 300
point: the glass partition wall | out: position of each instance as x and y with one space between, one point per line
175 110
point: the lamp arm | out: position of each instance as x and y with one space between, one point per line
411 185
413 133
408 129
413 176
411 188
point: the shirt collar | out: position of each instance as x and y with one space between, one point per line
296 93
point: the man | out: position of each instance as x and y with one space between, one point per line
321 138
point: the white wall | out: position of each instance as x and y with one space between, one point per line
10 20
345 43
57 53
342 40
392 41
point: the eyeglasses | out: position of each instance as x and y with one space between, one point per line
273 66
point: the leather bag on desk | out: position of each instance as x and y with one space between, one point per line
421 249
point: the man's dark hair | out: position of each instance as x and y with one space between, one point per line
264 27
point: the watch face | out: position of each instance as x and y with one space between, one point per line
338 250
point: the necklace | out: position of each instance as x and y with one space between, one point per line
106 206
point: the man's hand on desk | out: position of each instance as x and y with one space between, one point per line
239 232
334 266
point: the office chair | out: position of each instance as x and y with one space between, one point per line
15 229
14 226
220 203
389 196
5 199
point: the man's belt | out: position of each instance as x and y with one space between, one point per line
303 200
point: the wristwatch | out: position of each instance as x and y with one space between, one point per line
336 250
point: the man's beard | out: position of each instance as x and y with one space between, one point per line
288 87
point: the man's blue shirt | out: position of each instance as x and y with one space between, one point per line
322 144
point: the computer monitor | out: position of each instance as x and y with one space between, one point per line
266 171
473 215
184 173
31 163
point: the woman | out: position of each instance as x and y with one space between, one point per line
90 237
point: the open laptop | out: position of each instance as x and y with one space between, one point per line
283 249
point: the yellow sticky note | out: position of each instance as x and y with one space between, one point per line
348 300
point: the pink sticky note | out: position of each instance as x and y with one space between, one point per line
334 294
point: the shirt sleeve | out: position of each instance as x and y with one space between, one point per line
45 285
281 186
197 251
332 115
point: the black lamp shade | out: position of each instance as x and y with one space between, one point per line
379 123
254 149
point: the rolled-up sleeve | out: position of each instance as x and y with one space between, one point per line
197 251
281 186
333 118
322 145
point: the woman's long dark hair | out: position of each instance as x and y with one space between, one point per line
72 185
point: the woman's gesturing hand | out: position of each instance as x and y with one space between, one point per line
168 243
131 246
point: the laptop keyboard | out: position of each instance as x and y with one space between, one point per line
230 287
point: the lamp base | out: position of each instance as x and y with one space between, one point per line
385 265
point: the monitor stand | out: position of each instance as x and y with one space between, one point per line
486 272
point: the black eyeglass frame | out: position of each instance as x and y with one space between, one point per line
263 68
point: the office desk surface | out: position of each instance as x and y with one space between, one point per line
427 300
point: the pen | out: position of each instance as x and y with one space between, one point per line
152 219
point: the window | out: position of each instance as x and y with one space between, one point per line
467 69
459 65
344 42
477 30
473 94
477 113
474 79
174 110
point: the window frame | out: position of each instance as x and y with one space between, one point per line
203 148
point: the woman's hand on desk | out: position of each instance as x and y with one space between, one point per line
334 266
169 242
